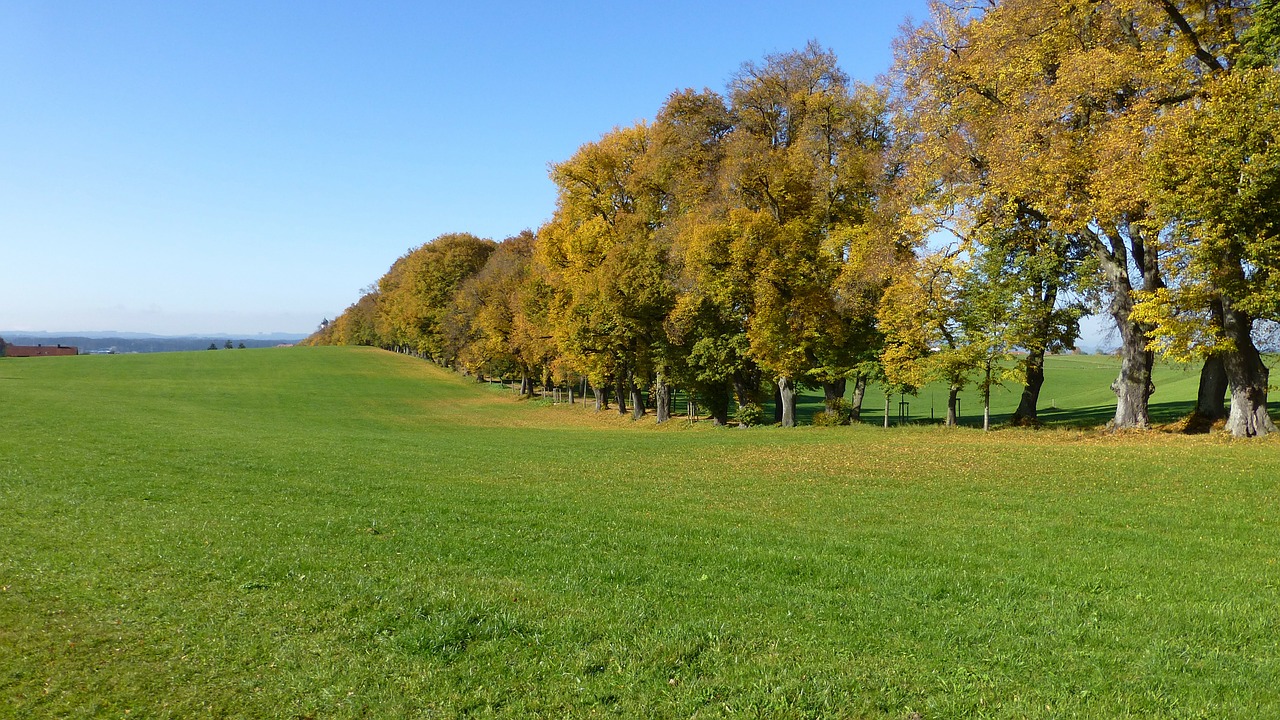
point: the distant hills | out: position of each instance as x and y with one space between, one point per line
126 342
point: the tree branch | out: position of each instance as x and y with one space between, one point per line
1201 53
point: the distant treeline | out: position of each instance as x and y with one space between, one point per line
139 345
1024 162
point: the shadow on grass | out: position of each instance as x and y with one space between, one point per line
1081 418
1160 414
809 403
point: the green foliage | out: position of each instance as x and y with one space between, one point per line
836 413
1260 44
1216 175
749 414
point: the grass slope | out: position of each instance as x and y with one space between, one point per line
328 532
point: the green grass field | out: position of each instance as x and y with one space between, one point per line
1077 393
333 533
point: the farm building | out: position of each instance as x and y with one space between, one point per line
7 350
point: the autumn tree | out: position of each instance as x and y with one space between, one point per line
709 319
1050 104
862 235
707 327
908 335
483 323
415 294
357 325
945 322
802 160
606 265
1216 172
394 320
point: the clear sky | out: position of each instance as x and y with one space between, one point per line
244 167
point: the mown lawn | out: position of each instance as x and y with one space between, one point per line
349 533
1076 394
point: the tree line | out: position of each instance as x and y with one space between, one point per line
1023 163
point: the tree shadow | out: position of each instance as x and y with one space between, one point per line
809 402
1093 416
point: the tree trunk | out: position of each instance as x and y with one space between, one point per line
952 393
637 402
620 394
787 394
859 390
833 394
662 391
746 385
1247 377
986 400
602 396
1026 414
833 391
1133 387
1211 398
886 409
718 408
777 405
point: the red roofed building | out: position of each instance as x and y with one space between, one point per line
7 350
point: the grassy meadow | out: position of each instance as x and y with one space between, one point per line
345 533
1076 394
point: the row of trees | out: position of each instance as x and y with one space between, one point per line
1026 160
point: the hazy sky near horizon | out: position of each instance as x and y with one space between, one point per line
246 167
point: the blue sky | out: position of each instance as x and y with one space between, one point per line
247 167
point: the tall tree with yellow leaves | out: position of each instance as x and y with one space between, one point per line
606 265
1216 172
415 293
1050 104
706 349
486 313
802 164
